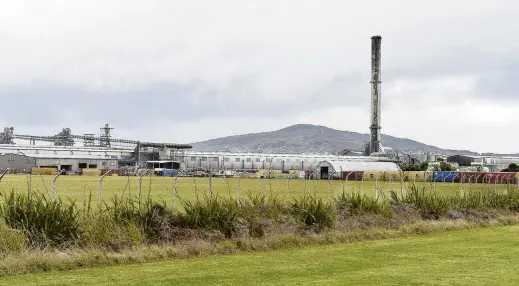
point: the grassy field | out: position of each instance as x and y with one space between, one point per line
471 257
79 187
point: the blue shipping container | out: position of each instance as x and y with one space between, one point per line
169 172
445 177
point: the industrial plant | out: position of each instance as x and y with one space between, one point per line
74 153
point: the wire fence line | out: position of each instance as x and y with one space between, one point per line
188 184
102 189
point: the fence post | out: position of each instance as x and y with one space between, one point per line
434 182
54 184
342 180
175 192
239 185
425 178
453 178
461 183
309 179
210 190
362 185
139 187
29 182
330 184
476 181
377 192
470 183
347 176
402 176
288 180
3 174
265 177
101 186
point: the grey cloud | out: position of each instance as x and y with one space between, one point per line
495 73
51 103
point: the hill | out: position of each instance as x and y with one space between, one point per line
307 138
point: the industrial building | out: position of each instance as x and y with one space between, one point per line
71 159
256 161
16 162
490 163
343 168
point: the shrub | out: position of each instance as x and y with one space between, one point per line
212 213
354 203
152 218
44 221
429 205
314 212
262 205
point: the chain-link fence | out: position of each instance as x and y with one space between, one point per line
187 185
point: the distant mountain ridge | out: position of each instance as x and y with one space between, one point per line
308 138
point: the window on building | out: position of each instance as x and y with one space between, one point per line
238 160
215 159
248 160
258 160
204 159
193 158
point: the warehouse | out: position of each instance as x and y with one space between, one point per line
71 159
342 168
465 160
256 161
16 163
492 163
74 163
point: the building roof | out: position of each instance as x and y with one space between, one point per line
354 166
66 156
276 155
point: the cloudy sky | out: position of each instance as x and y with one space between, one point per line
185 71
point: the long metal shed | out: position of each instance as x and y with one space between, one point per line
326 168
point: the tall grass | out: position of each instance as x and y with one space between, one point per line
430 205
44 221
314 212
150 217
354 203
212 213
37 221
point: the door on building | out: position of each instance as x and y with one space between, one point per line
324 172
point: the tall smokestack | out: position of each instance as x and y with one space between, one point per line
374 144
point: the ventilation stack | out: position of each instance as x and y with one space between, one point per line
375 142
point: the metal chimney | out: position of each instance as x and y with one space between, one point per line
374 144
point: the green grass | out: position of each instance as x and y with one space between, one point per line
471 257
79 187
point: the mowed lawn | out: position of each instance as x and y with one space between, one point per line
80 187
472 257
